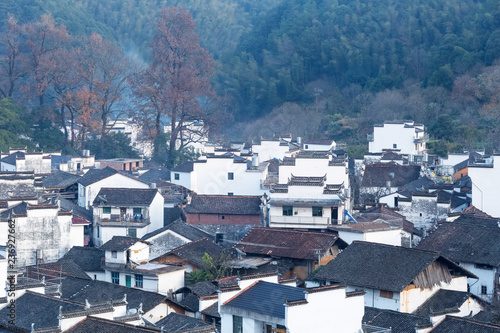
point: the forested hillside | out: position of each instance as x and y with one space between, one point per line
318 67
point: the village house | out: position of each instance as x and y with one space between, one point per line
307 250
381 179
313 192
289 309
126 212
376 231
89 259
394 278
475 247
267 149
173 235
62 185
126 262
73 164
395 321
91 183
191 255
19 160
226 174
319 144
18 184
44 231
407 137
455 324
222 209
121 164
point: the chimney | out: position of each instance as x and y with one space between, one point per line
152 185
255 160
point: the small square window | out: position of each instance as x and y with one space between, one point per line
176 176
139 282
230 176
230 194
287 210
484 290
317 211
115 277
114 254
394 145
132 232
106 210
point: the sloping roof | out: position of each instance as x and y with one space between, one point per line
223 204
119 243
175 323
419 184
184 167
380 266
42 310
87 258
443 302
77 210
60 179
399 322
212 310
155 175
191 302
181 228
472 210
266 298
18 209
11 159
98 292
288 243
193 252
452 324
205 288
94 324
53 271
465 243
125 196
379 174
95 175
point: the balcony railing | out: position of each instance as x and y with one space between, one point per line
311 221
121 221
423 139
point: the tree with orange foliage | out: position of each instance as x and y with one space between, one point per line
176 81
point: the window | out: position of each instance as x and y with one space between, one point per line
139 281
394 145
176 176
317 211
230 175
98 232
386 294
115 277
484 290
132 232
137 211
306 146
230 194
106 210
237 324
287 210
137 164
114 254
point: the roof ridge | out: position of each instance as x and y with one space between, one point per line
398 247
184 245
294 231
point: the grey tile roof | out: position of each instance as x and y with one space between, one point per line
93 324
443 302
399 322
212 310
42 310
454 324
193 252
98 292
223 204
95 175
60 179
266 298
53 271
15 210
184 167
77 210
11 159
176 323
125 196
87 258
181 228
119 243
154 175
205 288
191 302
380 266
288 243
462 242
377 175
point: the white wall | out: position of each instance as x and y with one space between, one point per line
156 213
86 198
486 278
270 149
185 179
485 188
3 277
170 281
388 135
389 237
327 310
77 235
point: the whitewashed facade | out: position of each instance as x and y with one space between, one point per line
406 137
485 177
